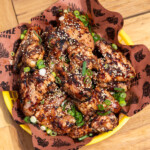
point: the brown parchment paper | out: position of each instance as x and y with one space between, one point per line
107 24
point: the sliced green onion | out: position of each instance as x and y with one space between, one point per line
119 89
43 128
89 72
123 95
53 133
83 137
63 105
48 131
121 99
40 62
122 103
54 74
67 60
96 38
90 29
87 79
70 112
76 13
60 58
107 102
27 119
104 114
33 119
60 10
114 46
132 77
78 117
80 124
73 109
82 18
22 36
12 54
100 107
85 23
41 66
24 32
43 101
40 40
84 69
90 134
58 80
26 69
52 63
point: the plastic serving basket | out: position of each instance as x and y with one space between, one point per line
11 96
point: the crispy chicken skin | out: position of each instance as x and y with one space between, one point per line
115 67
30 49
64 94
99 95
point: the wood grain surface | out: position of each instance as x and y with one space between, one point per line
135 135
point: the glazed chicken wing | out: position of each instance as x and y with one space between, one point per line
30 49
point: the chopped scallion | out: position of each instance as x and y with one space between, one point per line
43 101
12 54
84 69
27 119
33 119
83 137
80 124
26 69
22 36
43 128
107 102
58 80
119 89
123 95
40 40
104 114
100 107
114 46
24 32
76 13
54 74
122 103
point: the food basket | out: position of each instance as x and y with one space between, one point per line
11 96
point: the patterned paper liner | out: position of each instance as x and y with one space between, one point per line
107 24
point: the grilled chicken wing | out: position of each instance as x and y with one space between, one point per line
30 49
115 67
99 96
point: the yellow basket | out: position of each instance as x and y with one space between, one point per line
11 97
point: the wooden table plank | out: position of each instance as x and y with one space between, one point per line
7 15
127 8
138 28
26 9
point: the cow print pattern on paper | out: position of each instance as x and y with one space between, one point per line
139 56
147 70
3 52
98 12
59 143
42 142
110 33
146 89
113 20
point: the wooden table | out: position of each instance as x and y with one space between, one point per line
136 133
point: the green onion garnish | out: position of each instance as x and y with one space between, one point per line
84 69
63 105
87 80
70 112
96 37
78 117
123 95
67 60
60 58
53 133
119 89
54 74
76 13
122 103
40 64
132 77
43 128
26 69
50 132
104 114
22 36
90 134
106 66
27 119
85 23
24 32
80 124
83 137
82 18
33 119
43 101
58 80
89 72
100 107
40 40
90 29
12 54
114 46
107 102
